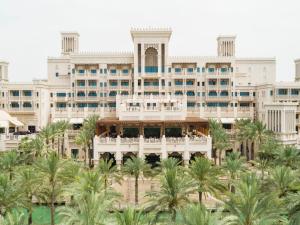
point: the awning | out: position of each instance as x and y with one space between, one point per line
228 120
59 119
76 120
4 116
16 122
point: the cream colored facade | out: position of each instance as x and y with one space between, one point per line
150 85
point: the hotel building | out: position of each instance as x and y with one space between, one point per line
149 103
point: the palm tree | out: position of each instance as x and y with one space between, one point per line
108 171
267 155
27 180
289 156
234 165
8 161
293 206
250 206
241 130
31 148
89 125
175 188
220 138
206 177
83 140
260 135
197 214
131 217
14 217
283 180
48 134
87 182
93 209
61 127
169 163
9 195
55 174
136 167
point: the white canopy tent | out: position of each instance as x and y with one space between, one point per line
7 121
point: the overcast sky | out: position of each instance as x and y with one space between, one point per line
30 29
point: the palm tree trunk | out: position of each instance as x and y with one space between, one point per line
244 149
220 157
92 149
30 212
84 156
200 196
136 189
215 156
250 150
29 216
58 145
90 156
173 215
63 146
52 208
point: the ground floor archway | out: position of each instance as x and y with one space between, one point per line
109 156
152 159
176 155
127 156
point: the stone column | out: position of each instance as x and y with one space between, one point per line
141 147
164 153
209 146
186 154
118 152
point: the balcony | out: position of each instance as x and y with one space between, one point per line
151 69
21 109
161 146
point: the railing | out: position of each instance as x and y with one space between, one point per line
152 140
12 137
168 140
175 140
130 140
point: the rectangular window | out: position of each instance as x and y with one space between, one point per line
177 70
113 71
93 71
294 91
244 93
61 94
190 70
27 93
27 105
282 92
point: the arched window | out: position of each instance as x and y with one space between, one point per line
151 61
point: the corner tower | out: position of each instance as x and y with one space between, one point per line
226 46
3 71
69 42
297 70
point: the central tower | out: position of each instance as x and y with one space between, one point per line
150 53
